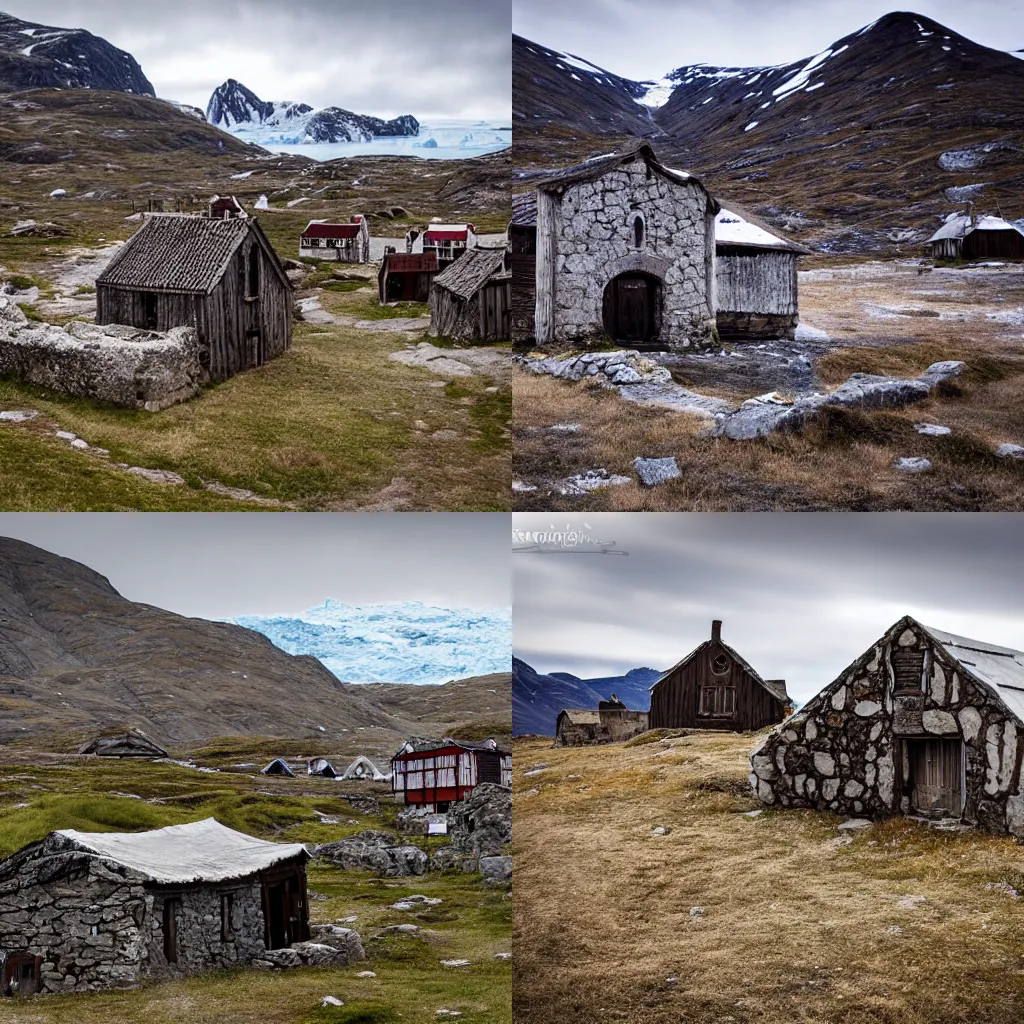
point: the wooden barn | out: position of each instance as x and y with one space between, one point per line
406 277
343 243
449 241
755 279
471 299
965 236
522 237
220 276
714 688
924 723
612 722
434 774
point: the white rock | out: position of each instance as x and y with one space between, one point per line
941 723
913 464
907 638
804 332
653 472
829 789
1010 451
367 974
970 723
856 823
455 963
331 1001
502 956
18 415
697 911
932 429
853 788
58 193
811 729
824 764
867 708
839 699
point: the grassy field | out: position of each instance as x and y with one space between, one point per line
42 792
801 922
882 318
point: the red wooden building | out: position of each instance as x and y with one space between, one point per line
345 243
406 276
448 241
433 774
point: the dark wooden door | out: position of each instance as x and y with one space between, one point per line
277 920
936 787
629 308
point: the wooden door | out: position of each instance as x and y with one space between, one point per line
629 308
936 777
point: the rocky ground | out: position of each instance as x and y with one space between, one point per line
652 887
917 365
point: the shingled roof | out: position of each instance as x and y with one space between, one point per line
524 210
181 253
471 271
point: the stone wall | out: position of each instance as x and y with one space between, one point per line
481 825
756 326
846 750
124 366
594 242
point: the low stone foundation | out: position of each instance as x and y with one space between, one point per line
756 326
124 366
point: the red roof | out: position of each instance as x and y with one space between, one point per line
445 236
411 262
316 230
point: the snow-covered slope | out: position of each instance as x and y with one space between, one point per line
240 111
405 642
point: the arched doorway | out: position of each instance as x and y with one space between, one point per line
632 307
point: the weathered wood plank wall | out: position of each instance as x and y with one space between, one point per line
762 283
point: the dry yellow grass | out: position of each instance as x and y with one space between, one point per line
797 926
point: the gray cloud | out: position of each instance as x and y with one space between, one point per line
220 565
801 594
450 58
644 39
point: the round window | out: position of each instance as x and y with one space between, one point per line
720 665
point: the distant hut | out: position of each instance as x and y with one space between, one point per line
220 276
755 279
965 236
321 766
330 240
406 277
365 769
612 722
472 298
224 208
714 688
133 743
449 241
278 767
434 774
522 237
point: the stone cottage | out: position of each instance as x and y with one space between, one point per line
82 911
612 722
923 723
624 248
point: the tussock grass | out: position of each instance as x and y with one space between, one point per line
797 926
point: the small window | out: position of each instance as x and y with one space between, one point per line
254 272
171 906
720 665
149 311
227 901
638 232
717 701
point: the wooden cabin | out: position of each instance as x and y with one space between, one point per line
449 241
612 722
224 208
714 688
220 276
755 279
343 243
471 299
965 236
406 277
434 774
522 238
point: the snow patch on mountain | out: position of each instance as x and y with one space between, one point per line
402 642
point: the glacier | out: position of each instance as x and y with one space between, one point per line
399 642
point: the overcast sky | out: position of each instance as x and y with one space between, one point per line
645 39
801 595
445 58
219 565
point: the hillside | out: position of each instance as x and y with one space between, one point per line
862 146
76 656
36 56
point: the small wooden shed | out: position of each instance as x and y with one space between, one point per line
220 276
714 688
472 298
406 277
965 236
755 279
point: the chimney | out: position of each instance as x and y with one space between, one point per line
716 631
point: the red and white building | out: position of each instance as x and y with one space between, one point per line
448 241
434 774
346 243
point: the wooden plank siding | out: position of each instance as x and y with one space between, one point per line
763 282
675 698
523 241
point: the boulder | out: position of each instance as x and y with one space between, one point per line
481 825
374 851
653 472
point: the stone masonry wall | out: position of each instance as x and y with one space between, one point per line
842 752
124 366
594 243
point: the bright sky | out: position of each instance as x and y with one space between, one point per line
219 565
802 595
645 39
444 59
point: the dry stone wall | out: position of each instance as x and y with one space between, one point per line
845 751
594 243
124 366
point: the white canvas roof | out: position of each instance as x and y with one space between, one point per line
202 851
957 225
1000 668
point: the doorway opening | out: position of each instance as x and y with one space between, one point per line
935 777
632 308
